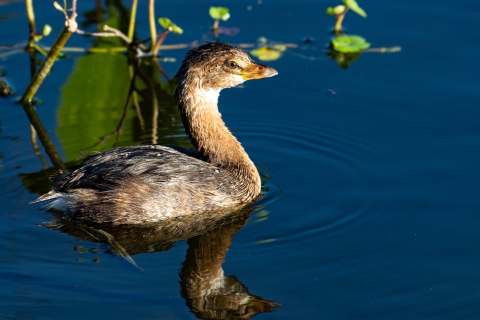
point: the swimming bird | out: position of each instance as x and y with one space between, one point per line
151 183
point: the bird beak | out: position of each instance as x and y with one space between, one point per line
257 71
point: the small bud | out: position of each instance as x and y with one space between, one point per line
339 9
46 30
58 7
335 11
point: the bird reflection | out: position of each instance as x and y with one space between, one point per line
208 292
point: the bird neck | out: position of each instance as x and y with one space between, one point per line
209 134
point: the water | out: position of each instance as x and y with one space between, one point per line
371 173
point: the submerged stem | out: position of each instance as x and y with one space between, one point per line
43 136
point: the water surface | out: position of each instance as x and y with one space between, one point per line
370 173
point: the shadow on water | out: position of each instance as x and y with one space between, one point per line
208 292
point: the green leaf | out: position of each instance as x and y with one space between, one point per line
268 53
353 5
346 43
219 13
167 24
58 7
335 11
46 30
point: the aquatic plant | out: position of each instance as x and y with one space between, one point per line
341 10
348 48
346 43
168 27
267 50
217 14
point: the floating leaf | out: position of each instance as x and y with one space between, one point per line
46 30
167 24
352 4
349 44
219 13
269 53
336 10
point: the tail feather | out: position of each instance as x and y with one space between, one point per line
53 200
47 196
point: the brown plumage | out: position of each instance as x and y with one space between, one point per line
151 183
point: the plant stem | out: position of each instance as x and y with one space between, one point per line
153 28
154 116
215 30
43 136
74 10
39 49
159 42
160 69
131 25
42 73
338 21
36 148
31 22
133 76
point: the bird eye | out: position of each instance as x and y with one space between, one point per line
232 64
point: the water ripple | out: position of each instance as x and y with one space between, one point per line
335 157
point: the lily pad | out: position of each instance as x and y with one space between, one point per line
346 43
167 24
353 5
219 13
268 53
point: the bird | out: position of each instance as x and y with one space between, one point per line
153 183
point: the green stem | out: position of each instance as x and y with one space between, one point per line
131 25
47 64
151 18
31 22
338 21
40 49
215 24
43 136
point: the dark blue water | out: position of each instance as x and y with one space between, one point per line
371 207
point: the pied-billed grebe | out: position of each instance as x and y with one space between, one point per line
151 183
